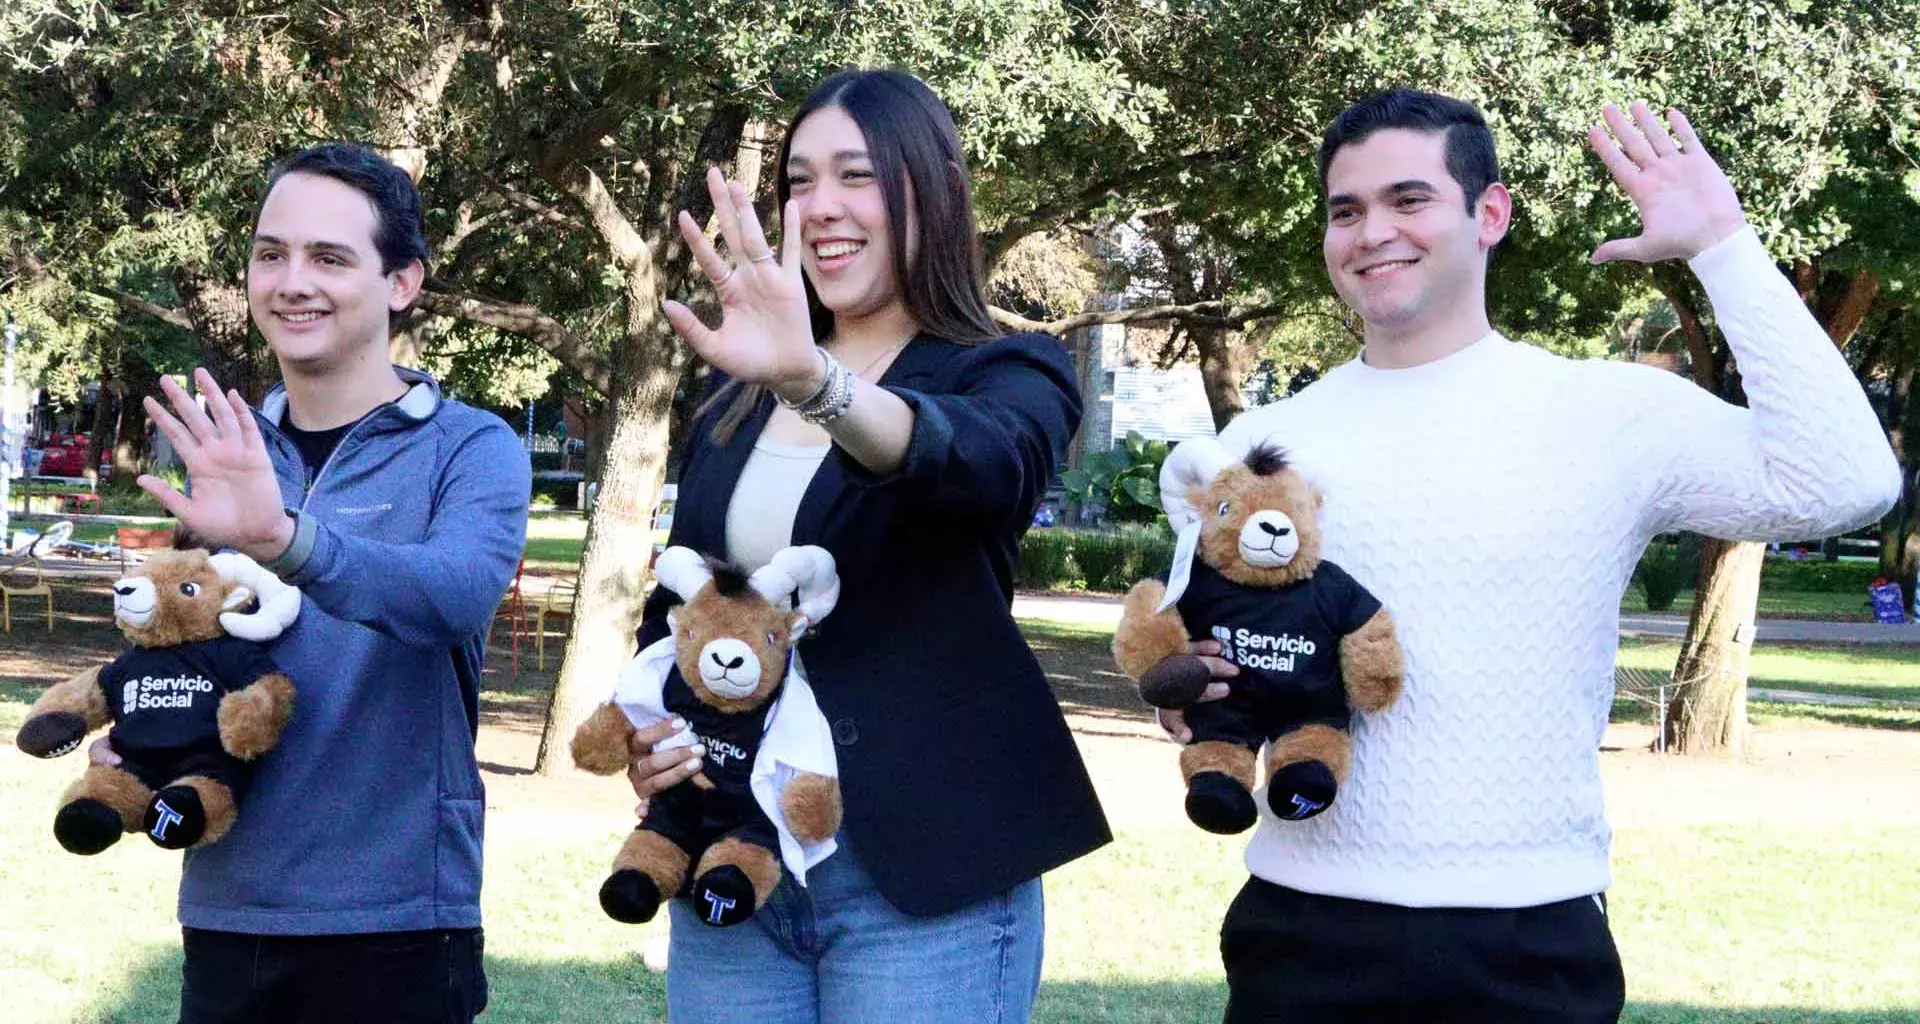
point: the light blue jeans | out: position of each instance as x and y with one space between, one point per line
836 952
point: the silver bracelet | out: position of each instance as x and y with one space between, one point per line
833 398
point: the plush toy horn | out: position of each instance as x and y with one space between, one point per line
808 573
682 571
1192 463
279 601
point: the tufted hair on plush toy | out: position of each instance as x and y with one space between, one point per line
1312 644
767 788
193 704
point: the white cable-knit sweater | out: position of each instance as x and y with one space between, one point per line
1496 501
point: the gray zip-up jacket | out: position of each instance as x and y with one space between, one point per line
367 816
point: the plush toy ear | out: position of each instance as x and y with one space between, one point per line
236 598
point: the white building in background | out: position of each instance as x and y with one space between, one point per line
1123 392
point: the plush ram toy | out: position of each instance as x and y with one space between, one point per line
193 704
767 790
1312 644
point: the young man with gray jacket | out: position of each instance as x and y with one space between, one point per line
350 890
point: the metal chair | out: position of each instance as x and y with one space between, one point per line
557 602
513 607
14 585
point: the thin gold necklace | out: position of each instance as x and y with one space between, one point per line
882 356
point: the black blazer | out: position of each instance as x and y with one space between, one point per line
959 775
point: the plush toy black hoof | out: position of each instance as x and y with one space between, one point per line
630 897
1176 682
175 819
51 734
86 827
1219 804
1301 790
723 897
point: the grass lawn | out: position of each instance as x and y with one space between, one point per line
1778 604
1885 672
1778 890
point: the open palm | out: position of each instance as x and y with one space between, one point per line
765 334
1685 201
235 499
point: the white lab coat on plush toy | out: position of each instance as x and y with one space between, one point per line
798 740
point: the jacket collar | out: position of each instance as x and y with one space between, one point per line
418 405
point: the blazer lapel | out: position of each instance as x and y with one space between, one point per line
814 520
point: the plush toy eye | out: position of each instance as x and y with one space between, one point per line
1223 507
190 589
771 642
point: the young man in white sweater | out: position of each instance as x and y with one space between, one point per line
1496 498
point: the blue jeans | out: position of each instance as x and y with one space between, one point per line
836 952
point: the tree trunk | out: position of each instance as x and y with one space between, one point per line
218 313
106 417
1224 361
132 449
1708 715
613 568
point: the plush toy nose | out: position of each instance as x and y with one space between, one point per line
123 589
729 667
1268 539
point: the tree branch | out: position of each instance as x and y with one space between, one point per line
528 322
128 300
1047 214
1197 314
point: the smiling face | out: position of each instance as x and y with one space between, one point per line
315 284
848 250
1402 246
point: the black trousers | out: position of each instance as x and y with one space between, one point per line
425 977
1297 957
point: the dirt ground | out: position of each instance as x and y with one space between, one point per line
1807 773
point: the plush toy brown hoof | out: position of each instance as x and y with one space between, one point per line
1220 804
1175 682
87 827
1301 790
175 818
630 897
723 897
52 734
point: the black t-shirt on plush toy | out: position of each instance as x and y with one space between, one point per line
166 702
1287 644
732 741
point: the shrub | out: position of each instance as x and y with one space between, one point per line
1667 569
1102 558
1043 559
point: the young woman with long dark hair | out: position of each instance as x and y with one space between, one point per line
870 405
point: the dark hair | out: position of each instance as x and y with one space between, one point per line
911 138
1470 157
398 231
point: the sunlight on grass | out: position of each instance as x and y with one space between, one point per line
1884 671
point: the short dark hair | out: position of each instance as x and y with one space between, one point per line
1470 157
398 230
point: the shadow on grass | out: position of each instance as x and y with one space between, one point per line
620 989
519 991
